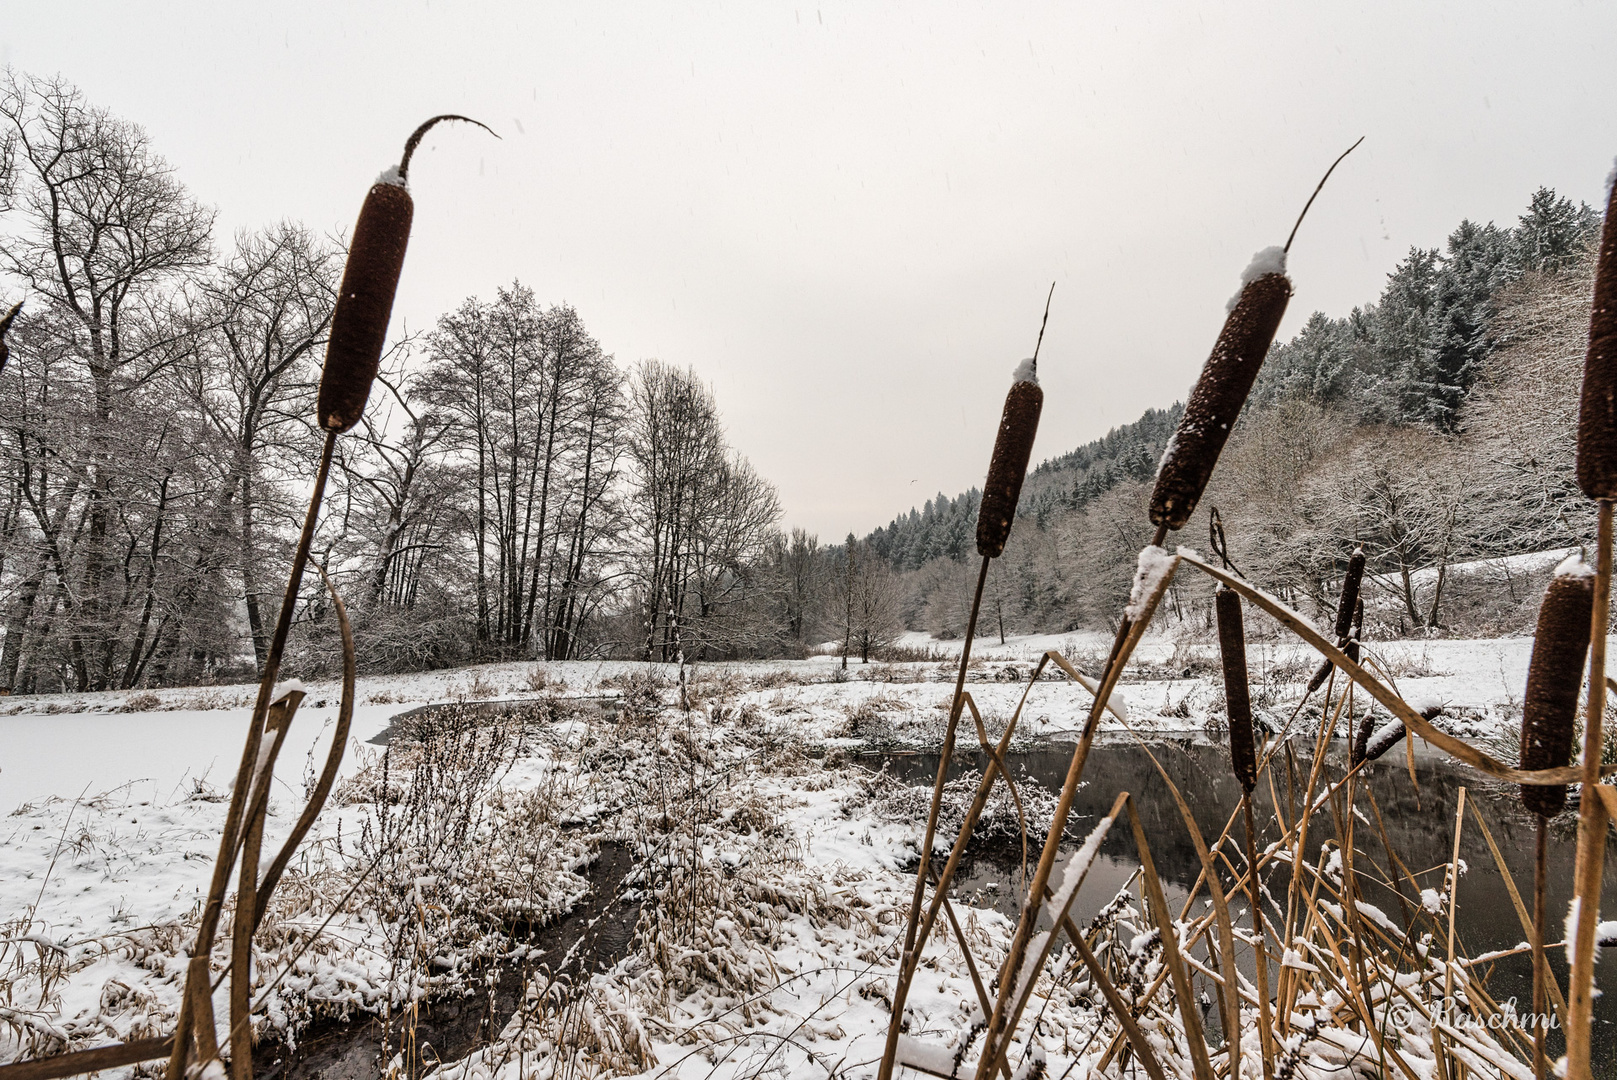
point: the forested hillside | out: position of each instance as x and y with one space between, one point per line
1433 425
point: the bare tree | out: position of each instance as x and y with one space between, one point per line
105 240
674 447
265 317
873 603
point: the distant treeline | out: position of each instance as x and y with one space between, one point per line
1387 426
513 492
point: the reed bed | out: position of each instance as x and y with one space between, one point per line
1354 991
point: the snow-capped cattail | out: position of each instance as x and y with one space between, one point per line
5 325
1597 411
1013 446
1554 676
365 301
1225 381
1391 733
1237 699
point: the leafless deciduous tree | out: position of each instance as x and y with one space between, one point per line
103 238
702 517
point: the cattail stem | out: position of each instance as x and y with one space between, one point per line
1592 822
230 840
1540 965
1261 952
912 953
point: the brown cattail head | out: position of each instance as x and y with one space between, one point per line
1345 609
364 305
1597 412
1356 638
1013 446
1232 649
1554 676
365 300
1221 391
1350 595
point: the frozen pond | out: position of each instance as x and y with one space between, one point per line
73 754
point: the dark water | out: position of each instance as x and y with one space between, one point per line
591 937
1419 823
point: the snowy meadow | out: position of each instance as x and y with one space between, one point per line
741 851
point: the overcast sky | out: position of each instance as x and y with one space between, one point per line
845 217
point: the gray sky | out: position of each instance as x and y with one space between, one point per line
845 217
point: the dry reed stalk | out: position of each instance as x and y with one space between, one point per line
246 917
328 774
996 769
1592 816
1129 633
231 835
1013 446
1597 476
1288 990
1389 698
1230 981
365 299
1244 763
1522 916
1454 906
910 957
1018 987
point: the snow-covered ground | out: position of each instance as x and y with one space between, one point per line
779 879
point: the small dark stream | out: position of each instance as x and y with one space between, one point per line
1419 825
593 936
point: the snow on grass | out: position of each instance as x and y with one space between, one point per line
776 883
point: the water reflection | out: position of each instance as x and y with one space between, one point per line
1418 818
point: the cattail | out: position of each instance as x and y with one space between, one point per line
5 325
1554 676
1232 648
1350 595
365 301
1391 733
1357 638
1013 446
1345 609
1597 412
1221 391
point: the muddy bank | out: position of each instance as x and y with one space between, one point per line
593 936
